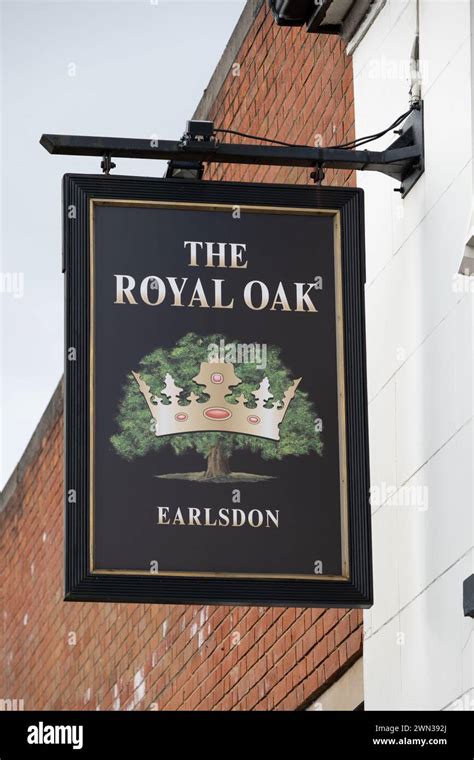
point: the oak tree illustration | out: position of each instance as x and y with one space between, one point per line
136 438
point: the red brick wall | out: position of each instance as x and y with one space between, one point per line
292 86
54 655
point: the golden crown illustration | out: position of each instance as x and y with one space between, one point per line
216 414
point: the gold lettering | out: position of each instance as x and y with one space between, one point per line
122 291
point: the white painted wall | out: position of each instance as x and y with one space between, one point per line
419 647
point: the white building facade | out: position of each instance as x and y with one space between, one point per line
418 643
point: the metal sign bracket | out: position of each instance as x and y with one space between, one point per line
403 160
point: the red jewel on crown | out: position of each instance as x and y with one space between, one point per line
217 413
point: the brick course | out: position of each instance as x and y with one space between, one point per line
56 655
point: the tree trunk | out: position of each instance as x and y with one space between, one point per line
217 462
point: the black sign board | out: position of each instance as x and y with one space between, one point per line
216 410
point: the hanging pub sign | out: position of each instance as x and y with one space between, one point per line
216 410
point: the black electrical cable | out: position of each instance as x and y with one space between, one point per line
351 144
255 137
371 138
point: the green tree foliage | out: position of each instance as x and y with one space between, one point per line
136 438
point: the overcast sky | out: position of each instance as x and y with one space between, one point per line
132 68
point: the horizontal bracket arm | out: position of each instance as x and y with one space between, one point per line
401 161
